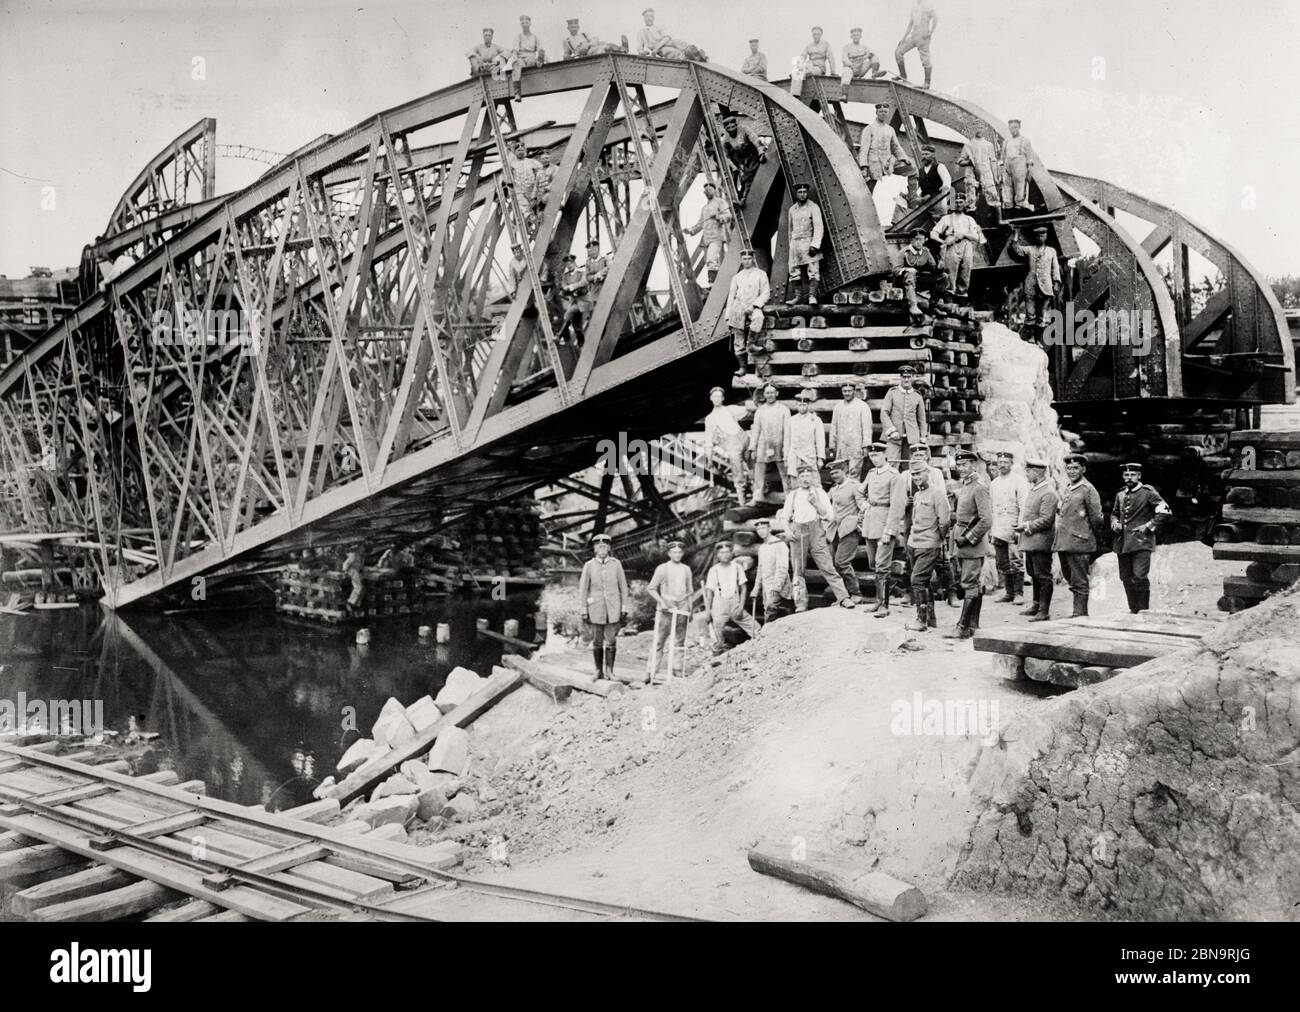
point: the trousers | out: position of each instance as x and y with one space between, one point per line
809 539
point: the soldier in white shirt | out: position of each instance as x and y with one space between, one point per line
672 588
921 24
805 437
767 438
807 514
528 52
724 596
748 294
984 170
772 573
715 220
722 429
958 234
1007 494
487 57
1042 279
755 64
805 241
1018 160
860 63
878 147
851 430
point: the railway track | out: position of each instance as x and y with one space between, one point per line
86 842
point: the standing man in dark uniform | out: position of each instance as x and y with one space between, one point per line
1078 522
743 151
903 423
1139 512
602 588
849 504
972 521
1036 530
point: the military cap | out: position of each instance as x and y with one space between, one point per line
921 232
806 395
1131 466
848 386
570 256
769 387
601 539
928 149
919 450
1005 453
676 544
883 105
753 40
710 185
1041 230
1035 462
806 468
763 522
877 448
1010 121
724 544
816 28
839 465
906 370
852 30
969 455
570 21
801 185
718 389
648 10
729 118
1076 458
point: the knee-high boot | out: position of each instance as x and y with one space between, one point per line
1036 604
920 623
1080 606
882 598
598 655
610 650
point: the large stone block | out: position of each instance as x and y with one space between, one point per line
450 753
460 685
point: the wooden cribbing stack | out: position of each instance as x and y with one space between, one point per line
1083 651
1260 522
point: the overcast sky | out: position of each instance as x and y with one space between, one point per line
1191 103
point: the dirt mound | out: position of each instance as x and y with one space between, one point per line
1169 792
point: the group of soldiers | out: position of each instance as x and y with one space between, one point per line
570 301
857 61
1020 518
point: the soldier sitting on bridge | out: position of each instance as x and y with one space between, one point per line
487 57
654 41
528 52
578 44
860 63
914 261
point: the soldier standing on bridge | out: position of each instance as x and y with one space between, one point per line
578 44
860 63
714 221
903 419
805 437
1018 160
920 29
602 588
741 146
748 294
526 174
573 288
672 588
958 233
1042 279
984 171
1036 530
805 242
850 505
807 515
767 437
1078 522
528 52
878 147
755 64
851 429
1138 513
487 57
722 430
597 270
972 520
1007 494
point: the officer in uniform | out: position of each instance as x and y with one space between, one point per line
929 520
602 588
805 255
850 505
1138 514
1036 530
878 490
972 521
903 422
1078 522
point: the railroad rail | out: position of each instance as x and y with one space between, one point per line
109 845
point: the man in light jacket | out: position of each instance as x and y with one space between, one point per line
602 588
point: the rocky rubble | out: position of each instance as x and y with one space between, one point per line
1169 792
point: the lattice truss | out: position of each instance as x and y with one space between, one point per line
310 351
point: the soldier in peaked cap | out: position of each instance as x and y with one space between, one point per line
903 421
1036 530
578 44
772 574
1078 525
724 596
755 64
914 259
1042 278
808 515
1138 514
487 57
805 437
767 440
849 503
972 520
602 588
879 148
672 587
1007 493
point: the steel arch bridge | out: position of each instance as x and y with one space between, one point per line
379 380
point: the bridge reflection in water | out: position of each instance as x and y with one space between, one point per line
246 701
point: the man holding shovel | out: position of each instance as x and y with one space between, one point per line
672 587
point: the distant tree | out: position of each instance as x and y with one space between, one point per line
1287 290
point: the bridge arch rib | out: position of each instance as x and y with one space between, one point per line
386 379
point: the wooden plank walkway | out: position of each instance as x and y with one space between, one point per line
1122 641
89 843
